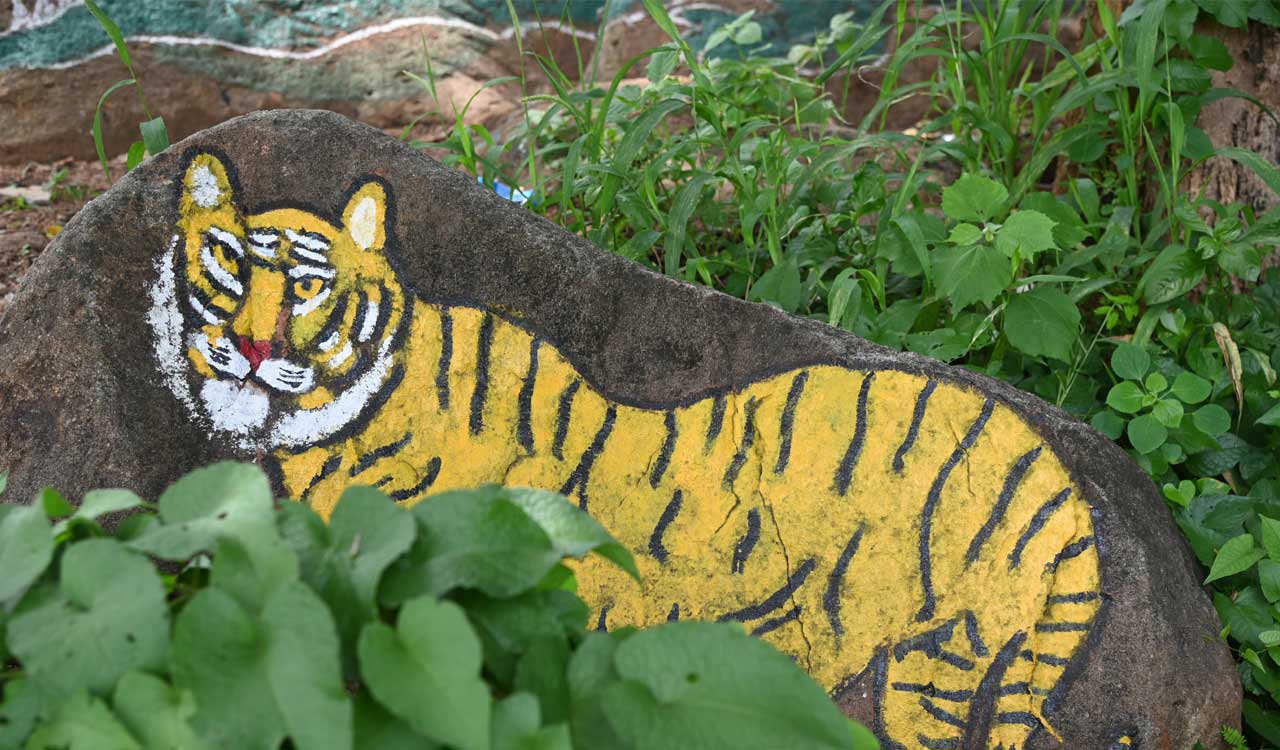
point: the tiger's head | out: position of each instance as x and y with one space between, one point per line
287 322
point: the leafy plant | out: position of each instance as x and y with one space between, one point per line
453 624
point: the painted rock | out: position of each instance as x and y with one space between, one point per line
959 563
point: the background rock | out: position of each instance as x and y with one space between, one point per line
81 403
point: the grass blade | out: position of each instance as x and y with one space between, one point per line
113 31
97 124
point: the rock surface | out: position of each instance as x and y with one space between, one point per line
83 403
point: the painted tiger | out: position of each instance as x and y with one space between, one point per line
900 536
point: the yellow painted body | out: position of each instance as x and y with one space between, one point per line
765 529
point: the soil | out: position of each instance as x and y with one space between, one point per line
27 228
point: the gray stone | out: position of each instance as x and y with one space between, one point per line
974 597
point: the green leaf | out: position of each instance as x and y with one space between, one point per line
156 713
427 672
98 503
1231 13
113 32
54 504
471 539
1026 233
1108 423
976 273
689 685
1271 536
541 672
780 286
1209 51
252 575
371 531
106 617
1236 556
1173 273
1155 383
375 729
1211 419
687 199
137 152
257 680
1271 418
1190 388
1168 411
1042 322
1146 433
964 234
21 708
517 725
25 548
1269 578
1126 397
225 499
572 531
507 627
973 198
661 63
1130 361
83 723
96 126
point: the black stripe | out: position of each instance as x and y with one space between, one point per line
334 321
983 706
1050 659
581 475
917 416
748 438
1080 598
563 413
931 505
327 469
370 458
1074 549
524 428
776 599
359 367
1015 688
930 642
300 259
742 550
1018 717
1036 525
664 456
362 309
716 423
600 622
217 283
446 358
669 514
844 472
674 614
384 313
385 480
976 644
933 691
1062 627
787 423
942 715
483 351
1011 483
428 479
931 743
831 598
770 625
207 301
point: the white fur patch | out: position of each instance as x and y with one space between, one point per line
283 375
234 407
302 308
204 187
165 317
364 223
308 426
222 356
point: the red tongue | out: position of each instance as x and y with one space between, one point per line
254 351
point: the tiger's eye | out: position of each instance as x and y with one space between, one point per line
307 288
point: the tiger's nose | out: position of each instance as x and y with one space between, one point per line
254 351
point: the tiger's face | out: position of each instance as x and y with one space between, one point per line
289 321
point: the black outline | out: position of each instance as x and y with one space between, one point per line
770 625
985 699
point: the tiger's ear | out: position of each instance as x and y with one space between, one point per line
365 217
205 186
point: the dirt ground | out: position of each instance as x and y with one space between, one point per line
27 226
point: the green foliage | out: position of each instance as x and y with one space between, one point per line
449 625
1036 228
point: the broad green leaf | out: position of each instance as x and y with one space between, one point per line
1271 418
1168 411
19 711
1146 433
689 685
98 503
155 135
517 725
572 531
225 499
252 574
426 671
661 63
1126 397
780 286
682 208
1026 233
1269 579
371 531
82 723
1042 322
507 627
1173 273
541 672
1130 361
375 729
54 504
26 547
973 198
964 234
976 273
471 539
1211 419
1236 556
137 152
1271 536
156 713
1155 383
107 616
1190 388
1108 423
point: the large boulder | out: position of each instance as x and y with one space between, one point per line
961 564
